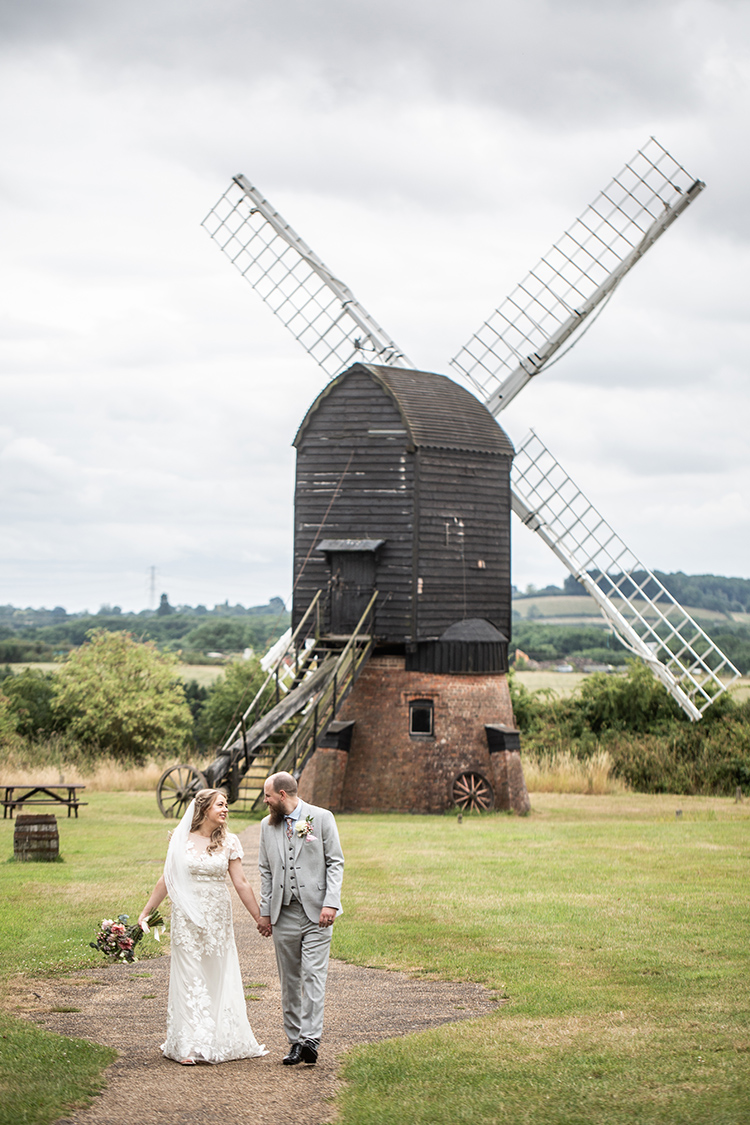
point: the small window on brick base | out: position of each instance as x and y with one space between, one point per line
420 718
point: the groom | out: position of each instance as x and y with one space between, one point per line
301 868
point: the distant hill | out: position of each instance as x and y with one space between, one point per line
724 596
564 623
43 634
572 609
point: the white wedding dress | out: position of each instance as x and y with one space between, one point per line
206 1014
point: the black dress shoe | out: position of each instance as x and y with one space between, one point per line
309 1052
294 1056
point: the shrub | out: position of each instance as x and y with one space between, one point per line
195 695
8 734
651 744
529 707
30 695
636 701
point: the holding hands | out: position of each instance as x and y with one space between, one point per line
327 918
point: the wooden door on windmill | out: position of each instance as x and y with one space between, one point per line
352 586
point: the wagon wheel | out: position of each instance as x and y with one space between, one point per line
177 787
473 792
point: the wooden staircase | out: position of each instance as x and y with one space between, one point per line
281 727
252 783
324 706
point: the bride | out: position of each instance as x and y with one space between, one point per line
206 1015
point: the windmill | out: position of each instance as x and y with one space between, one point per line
547 310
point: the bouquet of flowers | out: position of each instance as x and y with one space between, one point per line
117 940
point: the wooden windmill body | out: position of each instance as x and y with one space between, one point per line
403 486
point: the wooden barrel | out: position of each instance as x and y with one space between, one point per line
36 838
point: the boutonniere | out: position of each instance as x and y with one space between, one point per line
304 829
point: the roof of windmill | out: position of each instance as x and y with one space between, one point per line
437 411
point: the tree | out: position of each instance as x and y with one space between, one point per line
121 697
228 698
220 635
195 695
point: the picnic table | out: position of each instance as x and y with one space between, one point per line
19 796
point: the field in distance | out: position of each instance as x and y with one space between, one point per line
575 609
564 684
205 674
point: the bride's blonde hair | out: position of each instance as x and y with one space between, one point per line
204 798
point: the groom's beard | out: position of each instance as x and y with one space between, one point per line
276 816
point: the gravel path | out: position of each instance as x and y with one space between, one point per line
124 1006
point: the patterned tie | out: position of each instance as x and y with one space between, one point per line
288 827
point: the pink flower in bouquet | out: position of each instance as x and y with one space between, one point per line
117 940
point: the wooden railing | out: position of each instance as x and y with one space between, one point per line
323 708
288 669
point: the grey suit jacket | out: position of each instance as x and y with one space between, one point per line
318 865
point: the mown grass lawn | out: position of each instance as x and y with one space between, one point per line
613 933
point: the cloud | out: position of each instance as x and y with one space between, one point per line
574 62
430 158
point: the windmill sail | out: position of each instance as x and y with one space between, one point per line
583 268
317 308
545 310
645 616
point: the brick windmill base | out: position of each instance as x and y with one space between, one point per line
373 759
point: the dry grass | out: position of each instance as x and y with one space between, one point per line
741 689
205 674
561 772
561 684
555 773
104 776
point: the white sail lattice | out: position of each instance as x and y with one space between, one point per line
317 308
645 616
582 268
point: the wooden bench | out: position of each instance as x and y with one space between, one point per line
19 796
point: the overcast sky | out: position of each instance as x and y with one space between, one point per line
430 153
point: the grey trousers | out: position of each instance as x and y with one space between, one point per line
302 950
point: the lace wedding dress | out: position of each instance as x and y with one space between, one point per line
206 1015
